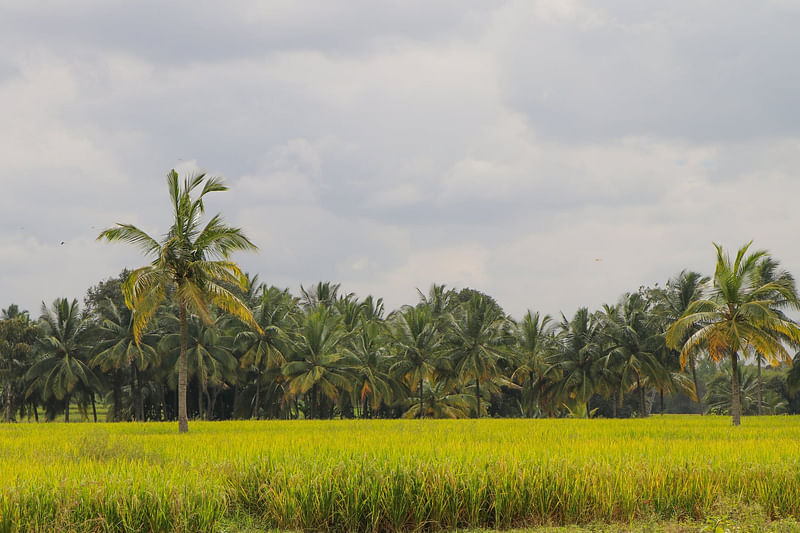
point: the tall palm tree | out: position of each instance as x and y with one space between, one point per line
579 358
374 384
769 271
633 346
17 340
671 304
191 265
319 363
264 350
62 366
417 342
118 349
737 313
478 335
535 344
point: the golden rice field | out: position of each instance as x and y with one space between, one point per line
392 475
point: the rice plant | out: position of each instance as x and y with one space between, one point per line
381 475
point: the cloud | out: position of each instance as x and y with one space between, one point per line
505 147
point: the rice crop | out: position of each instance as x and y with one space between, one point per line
386 475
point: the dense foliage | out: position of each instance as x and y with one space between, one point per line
325 354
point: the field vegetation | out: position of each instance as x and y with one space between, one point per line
380 475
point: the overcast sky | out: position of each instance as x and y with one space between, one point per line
554 154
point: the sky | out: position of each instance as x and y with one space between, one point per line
552 153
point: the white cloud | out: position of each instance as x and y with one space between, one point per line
504 146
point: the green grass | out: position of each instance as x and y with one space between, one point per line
400 475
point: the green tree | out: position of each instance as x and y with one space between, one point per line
579 359
671 304
417 344
191 266
634 342
769 271
535 345
738 312
62 365
374 384
318 363
17 340
264 350
117 349
478 333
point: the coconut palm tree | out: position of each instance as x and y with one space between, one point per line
62 366
738 312
117 349
633 345
319 364
770 271
672 302
417 343
478 341
190 266
17 340
579 359
264 350
373 383
535 344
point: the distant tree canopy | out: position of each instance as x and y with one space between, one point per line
453 353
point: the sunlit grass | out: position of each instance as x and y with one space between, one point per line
388 475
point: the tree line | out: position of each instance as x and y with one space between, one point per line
191 336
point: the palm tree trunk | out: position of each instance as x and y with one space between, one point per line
421 403
199 399
641 395
478 396
736 407
696 386
183 418
211 398
661 392
94 408
529 404
163 394
614 405
254 414
35 412
315 407
137 394
759 384
66 408
116 397
8 401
